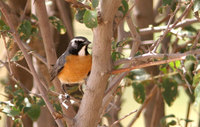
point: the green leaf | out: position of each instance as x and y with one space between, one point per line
57 23
163 68
90 19
14 112
95 3
25 30
196 5
190 28
164 119
167 2
124 7
33 112
116 55
57 107
18 56
174 65
171 123
169 90
34 17
190 57
187 120
139 92
3 26
79 15
196 79
124 42
197 93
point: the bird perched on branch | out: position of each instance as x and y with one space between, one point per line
74 65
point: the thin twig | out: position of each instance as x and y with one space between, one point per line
4 95
35 54
25 9
183 75
145 65
155 45
183 23
14 79
66 18
124 17
8 56
196 40
147 100
116 80
24 68
137 40
116 122
155 108
188 112
29 62
151 56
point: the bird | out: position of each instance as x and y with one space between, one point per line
74 65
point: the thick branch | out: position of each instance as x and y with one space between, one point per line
50 48
88 114
65 17
29 62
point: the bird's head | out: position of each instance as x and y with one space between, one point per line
78 46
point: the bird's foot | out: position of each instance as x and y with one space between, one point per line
65 100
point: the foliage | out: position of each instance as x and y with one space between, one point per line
169 90
57 23
183 72
21 104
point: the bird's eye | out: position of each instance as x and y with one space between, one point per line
79 42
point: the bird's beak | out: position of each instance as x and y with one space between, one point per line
87 42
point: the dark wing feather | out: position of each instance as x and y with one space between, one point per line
58 66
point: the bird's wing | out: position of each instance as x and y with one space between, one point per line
58 66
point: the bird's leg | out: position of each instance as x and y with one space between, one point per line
64 100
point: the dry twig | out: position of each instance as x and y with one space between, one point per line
149 64
116 122
183 23
150 95
29 62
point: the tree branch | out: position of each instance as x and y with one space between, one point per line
65 18
89 111
116 122
183 23
150 95
149 64
50 50
151 56
117 79
29 62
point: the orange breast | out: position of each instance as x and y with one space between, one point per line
76 69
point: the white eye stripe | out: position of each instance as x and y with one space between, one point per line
75 39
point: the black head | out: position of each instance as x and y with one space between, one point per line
78 46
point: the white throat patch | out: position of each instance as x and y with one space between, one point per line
82 51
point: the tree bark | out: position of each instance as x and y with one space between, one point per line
20 74
143 18
88 114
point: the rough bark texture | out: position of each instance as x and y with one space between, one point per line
88 114
143 18
50 48
20 74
